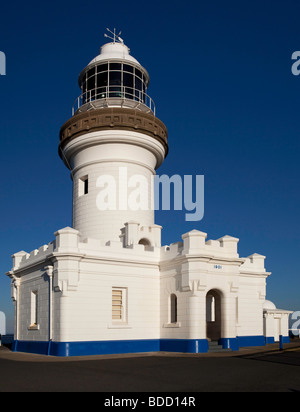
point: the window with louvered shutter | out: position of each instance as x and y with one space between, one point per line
117 304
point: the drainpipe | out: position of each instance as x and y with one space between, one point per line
280 342
49 272
17 296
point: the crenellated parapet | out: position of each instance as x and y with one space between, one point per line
23 259
136 239
195 243
220 254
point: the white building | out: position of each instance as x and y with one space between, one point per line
107 285
2 324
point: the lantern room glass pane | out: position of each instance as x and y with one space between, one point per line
102 68
128 84
127 80
114 78
91 83
101 85
138 89
115 66
138 73
91 72
138 83
102 79
127 68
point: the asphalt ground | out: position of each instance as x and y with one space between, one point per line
264 369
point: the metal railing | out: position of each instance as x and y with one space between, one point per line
115 95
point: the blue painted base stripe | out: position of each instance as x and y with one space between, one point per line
229 343
242 341
245 341
86 348
184 345
38 347
286 339
111 347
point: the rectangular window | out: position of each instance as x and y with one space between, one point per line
173 301
34 308
119 304
86 186
83 186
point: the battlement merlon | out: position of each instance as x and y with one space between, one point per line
254 263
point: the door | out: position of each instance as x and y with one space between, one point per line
213 315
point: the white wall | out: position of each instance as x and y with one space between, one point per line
2 323
36 281
87 313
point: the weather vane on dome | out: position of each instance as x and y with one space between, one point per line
116 37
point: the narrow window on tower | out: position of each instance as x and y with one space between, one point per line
83 186
86 186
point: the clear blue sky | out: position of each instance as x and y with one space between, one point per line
220 75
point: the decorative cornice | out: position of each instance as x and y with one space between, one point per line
114 118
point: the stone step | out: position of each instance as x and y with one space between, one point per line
215 347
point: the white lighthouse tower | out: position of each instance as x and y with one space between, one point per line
113 143
106 284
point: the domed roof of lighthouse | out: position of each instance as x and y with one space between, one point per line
114 50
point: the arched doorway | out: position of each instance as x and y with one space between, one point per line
213 315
